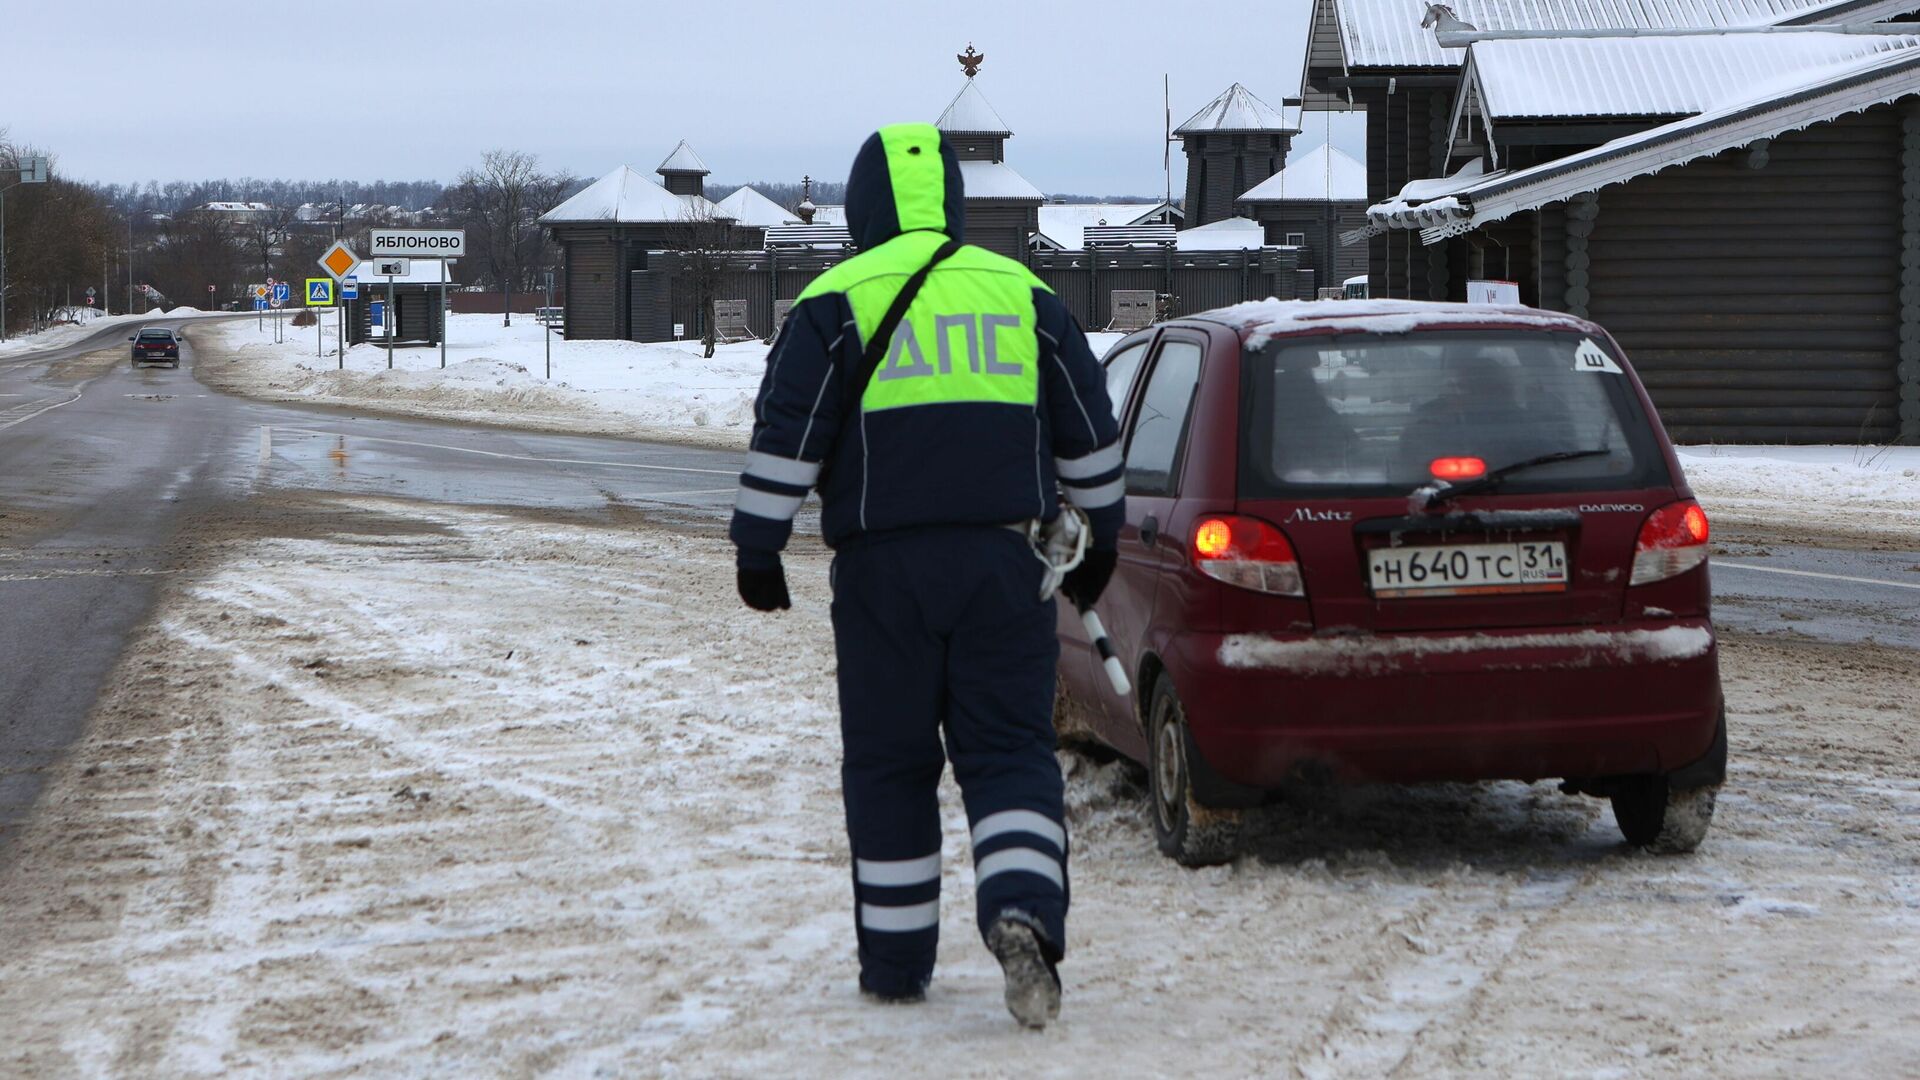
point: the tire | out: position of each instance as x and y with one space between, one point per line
1655 816
1193 834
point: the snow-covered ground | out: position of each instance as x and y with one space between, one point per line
405 791
83 321
497 374
1867 491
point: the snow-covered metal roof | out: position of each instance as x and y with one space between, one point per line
626 196
995 180
748 207
1388 34
1325 173
1061 224
830 214
683 160
1227 234
1651 76
969 113
1770 108
1237 109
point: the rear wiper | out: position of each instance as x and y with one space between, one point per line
1492 478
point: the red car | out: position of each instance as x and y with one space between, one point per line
1393 541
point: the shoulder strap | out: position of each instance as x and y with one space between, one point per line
883 334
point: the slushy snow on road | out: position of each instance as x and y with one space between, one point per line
409 791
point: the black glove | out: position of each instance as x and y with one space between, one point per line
763 583
1084 583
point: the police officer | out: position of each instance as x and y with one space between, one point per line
982 405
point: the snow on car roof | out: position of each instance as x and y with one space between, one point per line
1652 76
1266 319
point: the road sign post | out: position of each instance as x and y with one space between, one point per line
393 311
340 261
31 170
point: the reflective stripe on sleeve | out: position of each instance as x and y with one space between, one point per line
897 871
900 920
1026 821
1084 468
766 504
1026 859
782 470
1094 498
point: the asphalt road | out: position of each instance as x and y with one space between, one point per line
101 465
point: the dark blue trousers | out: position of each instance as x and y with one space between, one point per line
941 631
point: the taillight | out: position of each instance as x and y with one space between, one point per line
1248 553
1672 541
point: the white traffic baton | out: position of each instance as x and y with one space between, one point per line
1116 672
1062 545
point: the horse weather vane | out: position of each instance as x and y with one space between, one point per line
970 61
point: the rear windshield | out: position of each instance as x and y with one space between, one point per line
1370 414
155 335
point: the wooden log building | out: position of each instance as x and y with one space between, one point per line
1735 207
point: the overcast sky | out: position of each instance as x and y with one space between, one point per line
418 90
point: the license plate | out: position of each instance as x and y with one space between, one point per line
1468 569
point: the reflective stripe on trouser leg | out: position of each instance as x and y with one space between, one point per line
890 685
1001 658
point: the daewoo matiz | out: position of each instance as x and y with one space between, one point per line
1394 541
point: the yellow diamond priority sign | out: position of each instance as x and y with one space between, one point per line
339 260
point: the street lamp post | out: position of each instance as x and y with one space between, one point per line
31 170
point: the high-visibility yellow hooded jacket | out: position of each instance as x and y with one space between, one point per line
988 403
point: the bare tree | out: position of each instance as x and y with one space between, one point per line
699 243
496 205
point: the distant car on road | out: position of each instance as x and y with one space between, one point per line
156 345
1373 540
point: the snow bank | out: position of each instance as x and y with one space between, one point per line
497 374
1859 490
1369 655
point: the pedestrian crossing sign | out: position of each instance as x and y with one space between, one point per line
319 292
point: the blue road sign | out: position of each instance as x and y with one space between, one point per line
259 305
319 292
283 291
350 288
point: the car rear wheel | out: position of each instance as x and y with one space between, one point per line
1656 816
1193 834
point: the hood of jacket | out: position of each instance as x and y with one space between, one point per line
904 178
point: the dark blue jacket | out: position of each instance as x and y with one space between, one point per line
988 403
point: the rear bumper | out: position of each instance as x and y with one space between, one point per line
1526 705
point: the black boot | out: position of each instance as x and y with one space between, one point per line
1033 982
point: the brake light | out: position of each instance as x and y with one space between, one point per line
1673 540
1247 553
1457 468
